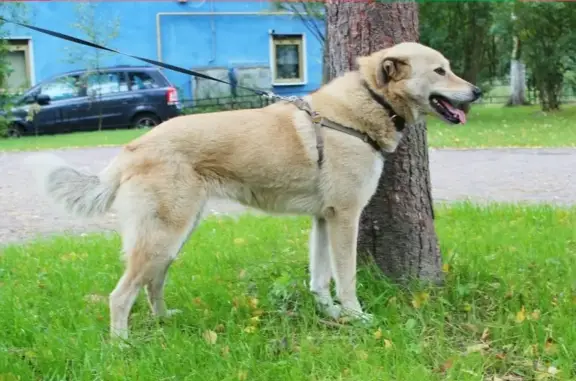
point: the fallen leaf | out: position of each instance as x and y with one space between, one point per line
257 312
253 302
420 299
239 241
378 334
485 334
242 274
521 315
242 375
445 366
477 348
94 298
362 355
219 328
388 344
197 301
210 337
250 329
535 315
555 301
550 347
446 268
255 320
225 351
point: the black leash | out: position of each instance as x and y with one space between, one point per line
398 121
153 62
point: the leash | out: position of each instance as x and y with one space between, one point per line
147 60
300 103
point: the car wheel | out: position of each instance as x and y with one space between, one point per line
146 121
14 132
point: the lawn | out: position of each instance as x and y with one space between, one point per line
496 126
488 126
506 311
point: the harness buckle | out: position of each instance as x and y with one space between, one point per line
316 118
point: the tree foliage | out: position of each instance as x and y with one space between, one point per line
464 32
548 32
478 38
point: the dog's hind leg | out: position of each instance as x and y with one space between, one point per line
155 287
320 270
153 233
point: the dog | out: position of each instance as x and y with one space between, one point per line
321 156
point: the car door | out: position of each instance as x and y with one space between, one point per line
63 109
110 97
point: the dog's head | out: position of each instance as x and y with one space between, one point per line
418 79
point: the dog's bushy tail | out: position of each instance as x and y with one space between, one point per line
82 194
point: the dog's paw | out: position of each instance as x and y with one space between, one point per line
122 345
173 312
334 311
354 316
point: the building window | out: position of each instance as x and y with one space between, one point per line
288 63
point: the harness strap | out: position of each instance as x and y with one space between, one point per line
316 121
319 122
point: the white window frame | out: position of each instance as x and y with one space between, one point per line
303 80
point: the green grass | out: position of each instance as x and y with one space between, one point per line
496 126
71 140
510 289
488 126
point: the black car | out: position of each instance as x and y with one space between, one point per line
88 100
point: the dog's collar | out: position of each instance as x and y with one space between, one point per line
399 122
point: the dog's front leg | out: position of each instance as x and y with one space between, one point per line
320 268
343 235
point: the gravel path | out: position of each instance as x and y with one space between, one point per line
533 175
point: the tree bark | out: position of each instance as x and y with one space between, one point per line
517 77
397 226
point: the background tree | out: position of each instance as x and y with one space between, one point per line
548 32
463 32
397 227
99 28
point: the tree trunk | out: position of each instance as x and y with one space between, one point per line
517 77
397 227
326 70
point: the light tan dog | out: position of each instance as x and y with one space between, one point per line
266 158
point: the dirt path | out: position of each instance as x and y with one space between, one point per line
500 175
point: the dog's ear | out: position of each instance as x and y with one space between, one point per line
391 69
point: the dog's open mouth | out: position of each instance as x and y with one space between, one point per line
447 110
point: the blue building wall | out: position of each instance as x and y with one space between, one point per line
208 35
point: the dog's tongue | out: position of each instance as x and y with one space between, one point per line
459 113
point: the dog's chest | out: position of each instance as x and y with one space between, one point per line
371 178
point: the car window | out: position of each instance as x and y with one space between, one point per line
142 81
61 88
105 83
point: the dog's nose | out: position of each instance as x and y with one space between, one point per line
477 92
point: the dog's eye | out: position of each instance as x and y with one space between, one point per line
440 71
